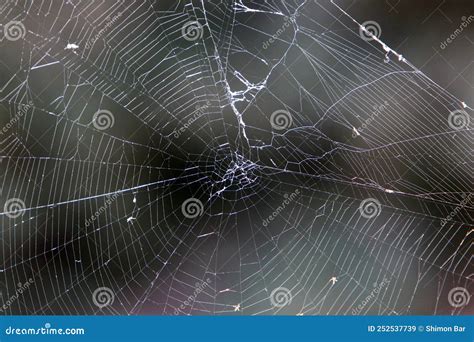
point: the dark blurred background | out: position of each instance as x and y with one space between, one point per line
417 29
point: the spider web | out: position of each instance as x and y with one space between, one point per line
190 117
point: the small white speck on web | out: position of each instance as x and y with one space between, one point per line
71 46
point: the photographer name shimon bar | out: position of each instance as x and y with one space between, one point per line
435 328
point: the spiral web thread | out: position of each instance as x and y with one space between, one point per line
124 181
